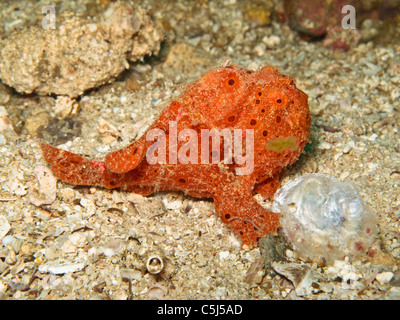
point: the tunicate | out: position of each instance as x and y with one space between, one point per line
324 217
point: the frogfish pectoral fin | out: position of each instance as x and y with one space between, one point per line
126 159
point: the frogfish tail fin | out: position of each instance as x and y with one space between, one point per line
74 169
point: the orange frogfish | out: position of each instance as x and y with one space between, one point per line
226 137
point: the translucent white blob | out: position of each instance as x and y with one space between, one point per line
325 217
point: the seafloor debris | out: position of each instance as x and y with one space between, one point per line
258 12
108 132
256 272
4 227
323 19
6 129
61 267
58 130
157 292
301 276
186 58
47 186
317 19
323 217
66 106
314 18
274 248
80 54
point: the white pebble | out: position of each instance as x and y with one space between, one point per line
384 277
330 97
272 41
344 176
259 50
373 137
324 145
47 186
289 253
4 227
92 27
61 268
78 239
223 255
172 205
346 149
89 206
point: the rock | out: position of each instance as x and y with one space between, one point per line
89 206
78 239
157 292
42 214
256 272
67 195
147 207
80 54
272 41
4 227
258 12
301 276
131 274
47 186
5 94
14 242
61 268
344 270
34 123
15 182
223 255
65 106
108 132
6 128
384 277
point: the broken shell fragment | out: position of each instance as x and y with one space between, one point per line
11 258
157 292
4 227
301 276
61 267
47 186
